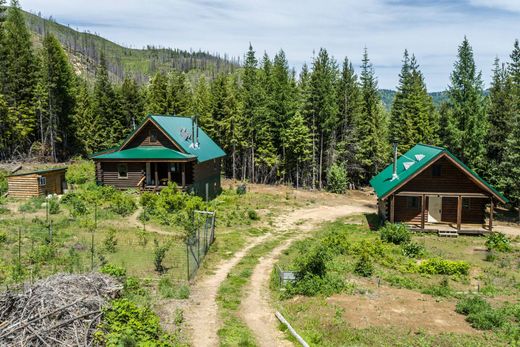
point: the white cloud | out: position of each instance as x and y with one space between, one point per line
430 29
507 5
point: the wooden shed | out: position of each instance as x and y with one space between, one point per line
431 189
36 183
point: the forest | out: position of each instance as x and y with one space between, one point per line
323 125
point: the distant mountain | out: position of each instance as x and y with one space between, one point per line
388 95
85 49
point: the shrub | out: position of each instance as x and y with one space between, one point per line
395 233
123 204
364 266
471 304
313 261
413 250
169 290
3 182
442 290
32 205
110 241
113 270
81 172
486 319
311 285
253 215
127 324
159 255
337 180
54 205
498 242
3 237
241 189
439 266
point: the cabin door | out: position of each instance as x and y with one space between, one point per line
148 174
434 209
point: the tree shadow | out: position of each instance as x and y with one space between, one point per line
373 221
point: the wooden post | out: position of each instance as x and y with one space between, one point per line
392 208
491 210
156 175
169 172
459 211
183 175
423 203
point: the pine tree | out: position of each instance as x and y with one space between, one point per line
231 126
84 123
106 110
157 97
3 52
349 111
20 77
179 94
413 116
56 97
372 125
324 108
132 105
298 141
202 105
466 121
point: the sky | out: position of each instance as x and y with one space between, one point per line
432 30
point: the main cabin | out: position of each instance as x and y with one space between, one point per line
163 149
428 185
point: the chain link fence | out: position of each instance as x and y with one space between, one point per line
198 245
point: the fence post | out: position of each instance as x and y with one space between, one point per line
188 260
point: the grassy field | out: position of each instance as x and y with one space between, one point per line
371 293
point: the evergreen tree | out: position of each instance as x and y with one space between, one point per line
132 105
20 78
466 119
106 111
231 126
324 109
84 123
3 52
413 114
349 111
372 125
56 98
202 105
179 94
157 97
298 143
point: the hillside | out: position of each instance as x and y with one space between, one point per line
85 50
387 95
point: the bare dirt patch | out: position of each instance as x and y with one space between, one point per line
387 307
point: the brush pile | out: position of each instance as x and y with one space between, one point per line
63 309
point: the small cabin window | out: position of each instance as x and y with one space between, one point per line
466 203
153 135
413 202
436 170
122 171
42 180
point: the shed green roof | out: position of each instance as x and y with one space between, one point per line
39 172
414 161
145 152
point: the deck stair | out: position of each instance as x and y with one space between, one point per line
448 233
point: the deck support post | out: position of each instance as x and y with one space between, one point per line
156 175
491 211
459 211
392 208
423 203
183 175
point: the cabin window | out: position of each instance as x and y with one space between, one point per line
42 180
153 135
413 202
436 170
466 203
122 171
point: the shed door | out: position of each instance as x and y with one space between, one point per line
434 209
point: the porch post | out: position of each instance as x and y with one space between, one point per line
156 175
169 172
491 210
392 208
423 202
459 211
183 174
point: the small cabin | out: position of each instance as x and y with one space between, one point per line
161 150
36 183
429 188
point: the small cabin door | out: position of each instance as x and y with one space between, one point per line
148 174
434 209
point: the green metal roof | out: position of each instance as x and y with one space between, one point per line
179 127
39 172
414 161
145 152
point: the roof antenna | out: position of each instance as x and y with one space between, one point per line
394 172
197 131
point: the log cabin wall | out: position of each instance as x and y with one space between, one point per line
406 211
25 186
473 210
208 173
142 138
107 173
451 180
54 183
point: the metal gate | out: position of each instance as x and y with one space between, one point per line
197 246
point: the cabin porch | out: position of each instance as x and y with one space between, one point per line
157 175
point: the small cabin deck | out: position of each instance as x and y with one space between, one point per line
446 228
